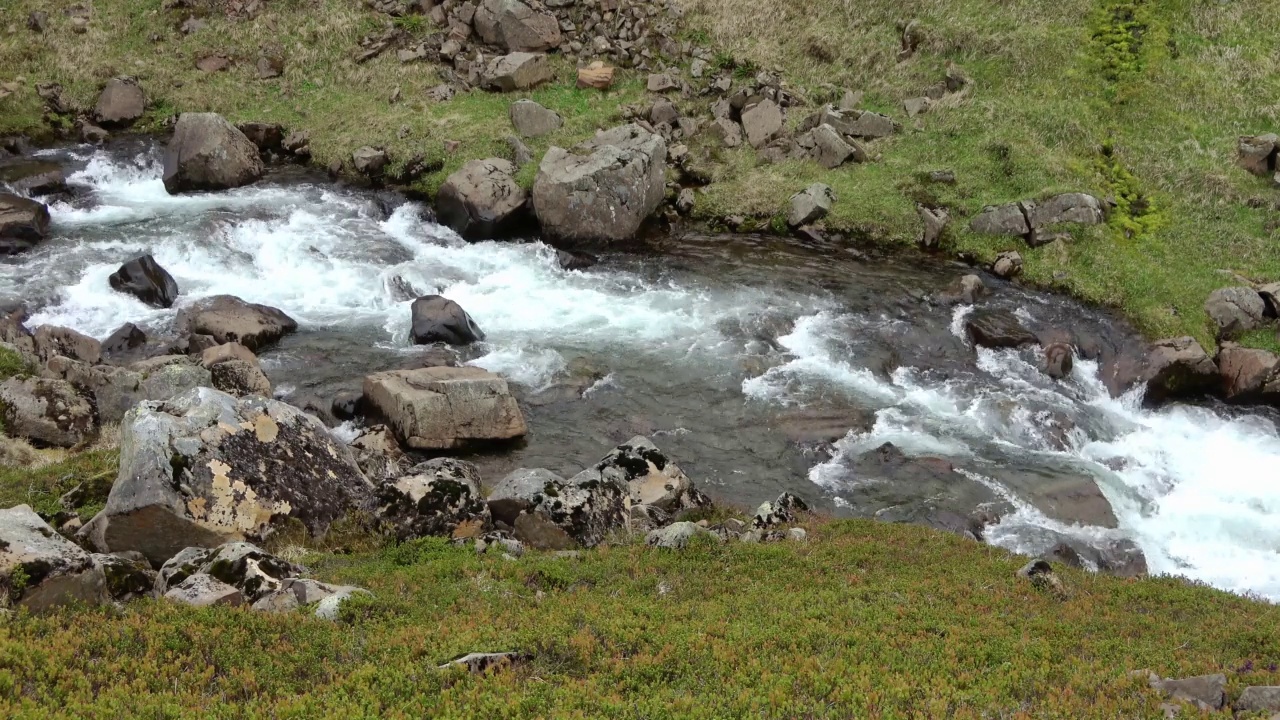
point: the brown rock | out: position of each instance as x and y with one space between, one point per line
442 408
229 319
482 200
1248 373
121 103
1178 368
596 75
516 27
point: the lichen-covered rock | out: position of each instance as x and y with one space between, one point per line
557 514
208 153
128 576
379 455
227 318
443 408
206 468
202 590
779 512
440 497
516 493
116 390
46 411
39 569
240 378
649 476
241 565
296 593
676 536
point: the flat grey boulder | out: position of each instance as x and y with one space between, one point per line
602 189
444 408
440 497
532 120
516 27
762 123
208 153
1206 692
810 205
229 319
1235 310
23 223
241 565
1258 698
1076 207
997 329
39 569
46 411
202 590
207 468
677 536
482 200
1007 219
517 71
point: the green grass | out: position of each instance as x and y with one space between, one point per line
866 620
41 486
12 364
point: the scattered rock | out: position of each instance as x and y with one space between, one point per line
296 593
227 318
1258 699
517 71
269 137
298 142
41 570
762 123
1007 265
661 82
481 663
521 155
443 408
604 188
438 319
1235 310
1009 219
685 201
596 75
935 221
120 343
917 106
518 492
208 153
574 260
37 21
532 120
23 223
676 536
240 378
440 497
516 27
121 103
831 150
207 468
871 125
46 411
997 329
779 512
810 205
797 535
482 199
201 590
143 278
217 62
269 67
1078 208
728 132
369 161
91 133
1042 577
1206 692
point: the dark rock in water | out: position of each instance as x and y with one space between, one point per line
810 426
23 223
401 290
998 329
35 177
1178 368
438 319
229 319
144 279
1058 360
208 153
346 404
574 260
126 338
482 200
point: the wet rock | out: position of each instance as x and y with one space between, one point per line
201 590
517 71
1074 500
604 189
121 343
41 570
482 200
1059 359
207 468
532 120
779 512
1008 219
817 426
46 411
51 341
23 223
762 123
34 178
440 497
574 261
1235 310
143 278
443 408
1248 374
128 576
90 133
268 137
439 319
1257 154
935 221
208 153
514 26
1258 699
229 319
997 329
677 536
1007 265
298 142
810 205
649 476
369 161
121 103
1205 692
481 663
964 291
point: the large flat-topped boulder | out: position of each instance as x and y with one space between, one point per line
229 319
442 408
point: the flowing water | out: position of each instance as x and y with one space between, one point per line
742 357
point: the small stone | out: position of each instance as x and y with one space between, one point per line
685 201
917 106
797 534
1008 264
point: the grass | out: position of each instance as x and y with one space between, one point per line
56 473
866 620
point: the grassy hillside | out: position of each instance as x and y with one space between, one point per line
865 620
1136 100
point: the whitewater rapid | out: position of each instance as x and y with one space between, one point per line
1197 489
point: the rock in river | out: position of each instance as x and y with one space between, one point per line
442 408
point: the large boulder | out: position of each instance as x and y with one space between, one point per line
604 188
143 278
438 319
39 569
52 341
810 205
1235 310
23 223
532 120
1178 368
440 497
208 153
762 123
244 566
997 329
648 475
34 177
443 408
517 71
207 468
46 411
550 513
482 200
515 27
121 103
1078 208
1008 219
227 318
1248 374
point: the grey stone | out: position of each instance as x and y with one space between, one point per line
810 205
143 278
121 103
481 663
685 201
23 223
1258 698
935 220
1178 367
208 153
728 132
482 199
779 512
435 318
1007 219
440 497
240 378
516 27
762 123
831 150
46 411
1204 691
52 341
797 535
917 106
1008 264
557 514
249 569
649 475
676 536
128 576
997 329
870 125
532 120
369 161
1078 208
516 492
1257 154
1235 310
204 591
41 570
443 408
517 71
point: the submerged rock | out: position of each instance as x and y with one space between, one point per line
439 319
997 329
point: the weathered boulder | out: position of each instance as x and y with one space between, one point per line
779 512
202 590
229 319
831 150
52 341
1078 208
1257 154
810 205
762 123
440 497
39 569
1008 264
34 178
116 390
240 378
482 200
207 468
516 493
1258 698
128 576
1206 692
438 319
1247 373
515 27
122 343
1235 310
517 71
532 120
728 132
23 223
1178 368
370 161
965 290
443 408
551 513
870 125
121 103
677 536
997 329
143 278
379 454
269 137
604 188
596 75
46 411
1008 219
244 566
649 476
208 153
934 221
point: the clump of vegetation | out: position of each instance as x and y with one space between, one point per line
12 364
42 485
